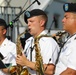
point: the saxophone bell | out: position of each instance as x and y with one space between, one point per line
12 70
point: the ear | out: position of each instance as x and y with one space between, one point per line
4 31
42 22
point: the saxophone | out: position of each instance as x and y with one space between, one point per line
19 70
39 61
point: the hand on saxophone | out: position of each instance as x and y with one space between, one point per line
21 60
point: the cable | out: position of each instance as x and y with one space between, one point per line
24 4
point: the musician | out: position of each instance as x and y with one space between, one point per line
67 63
36 20
7 49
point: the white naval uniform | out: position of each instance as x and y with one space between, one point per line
49 49
8 50
67 56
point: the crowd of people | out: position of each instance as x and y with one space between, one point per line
55 60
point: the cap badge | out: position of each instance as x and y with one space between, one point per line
66 7
27 14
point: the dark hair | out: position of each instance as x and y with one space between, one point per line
3 23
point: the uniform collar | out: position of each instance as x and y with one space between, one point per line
43 32
5 42
72 36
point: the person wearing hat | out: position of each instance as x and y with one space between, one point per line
7 49
67 63
36 20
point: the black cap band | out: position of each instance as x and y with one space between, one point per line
69 7
35 12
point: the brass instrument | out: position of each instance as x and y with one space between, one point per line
19 70
60 37
39 61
